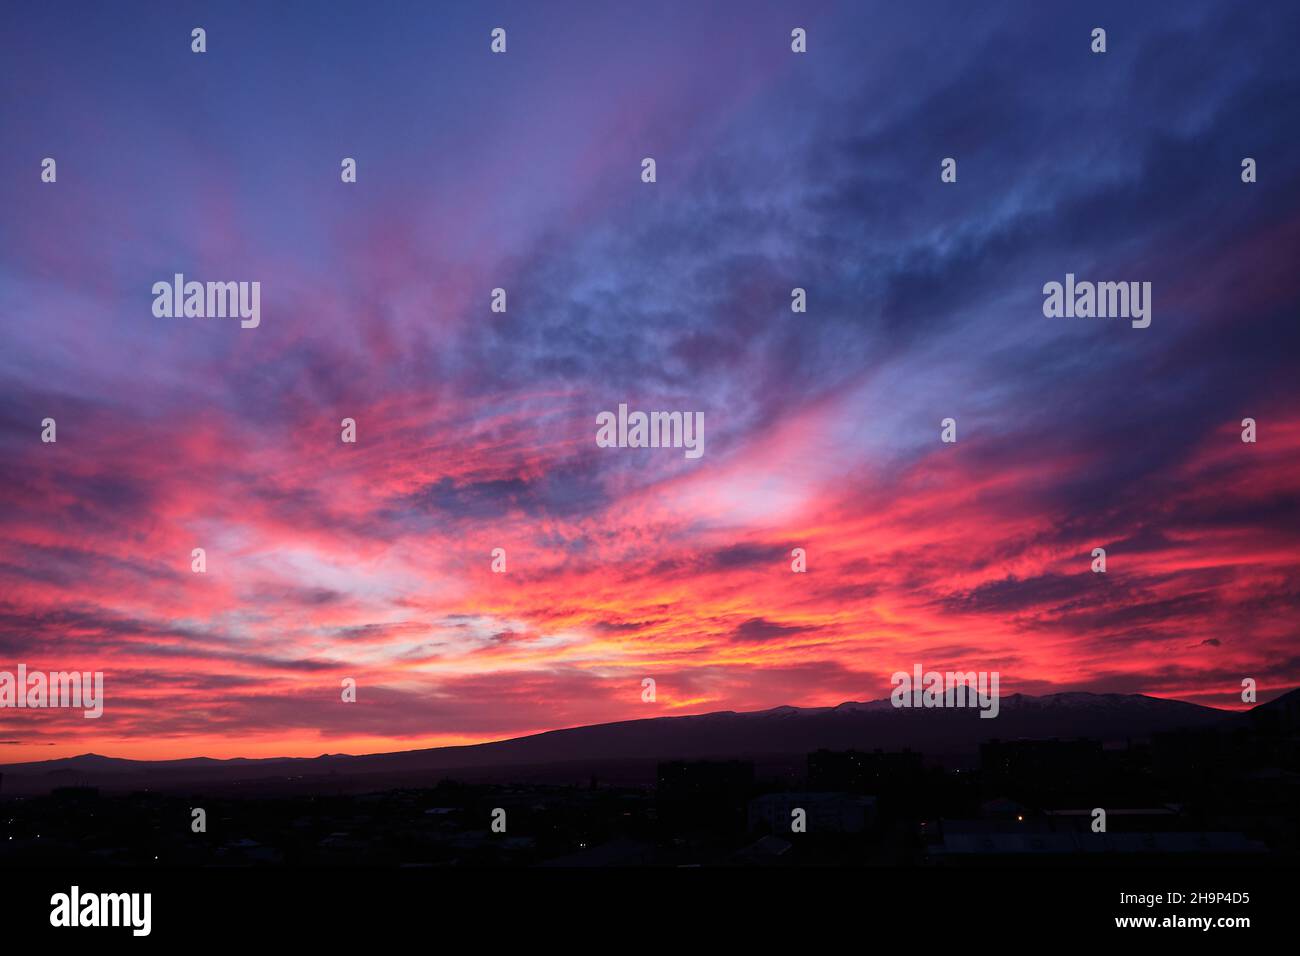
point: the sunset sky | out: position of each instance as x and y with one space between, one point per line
477 430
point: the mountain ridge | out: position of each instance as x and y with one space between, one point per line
787 729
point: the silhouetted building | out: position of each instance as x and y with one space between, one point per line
1011 841
823 812
1118 819
696 795
1023 768
1000 808
691 779
856 771
74 794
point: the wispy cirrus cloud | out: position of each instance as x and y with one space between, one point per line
476 429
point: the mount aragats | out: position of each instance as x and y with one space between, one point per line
627 751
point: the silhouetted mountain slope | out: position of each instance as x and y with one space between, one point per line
1279 715
782 730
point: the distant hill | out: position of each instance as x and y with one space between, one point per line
780 731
